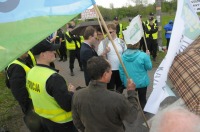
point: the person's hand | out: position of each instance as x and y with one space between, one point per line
130 85
147 52
71 88
107 49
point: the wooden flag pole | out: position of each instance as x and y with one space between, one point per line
125 71
145 42
110 38
101 26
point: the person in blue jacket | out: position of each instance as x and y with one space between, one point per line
137 63
168 31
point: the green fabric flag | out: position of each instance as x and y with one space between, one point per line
25 23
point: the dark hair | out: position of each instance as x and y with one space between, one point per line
97 66
89 31
135 46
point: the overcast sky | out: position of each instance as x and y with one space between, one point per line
117 3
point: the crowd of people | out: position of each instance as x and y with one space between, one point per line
50 104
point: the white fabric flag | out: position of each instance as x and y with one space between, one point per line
196 5
134 31
185 30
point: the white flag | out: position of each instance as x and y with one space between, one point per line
185 30
134 31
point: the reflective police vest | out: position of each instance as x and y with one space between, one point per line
44 104
120 31
154 35
82 39
24 66
154 21
32 58
71 45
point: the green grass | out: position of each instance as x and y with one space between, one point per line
7 102
159 58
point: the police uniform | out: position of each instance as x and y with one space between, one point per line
73 44
62 49
16 81
151 34
50 97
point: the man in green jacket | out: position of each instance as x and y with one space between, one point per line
96 109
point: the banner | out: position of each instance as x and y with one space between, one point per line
89 14
196 5
134 31
185 30
24 23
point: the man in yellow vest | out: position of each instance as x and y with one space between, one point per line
151 17
50 94
16 73
73 43
119 28
151 33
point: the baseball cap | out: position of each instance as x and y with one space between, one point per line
44 45
116 18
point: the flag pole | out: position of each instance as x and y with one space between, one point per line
110 38
125 71
101 26
145 42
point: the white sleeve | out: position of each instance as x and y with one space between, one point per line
100 48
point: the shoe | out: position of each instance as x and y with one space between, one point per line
72 73
81 69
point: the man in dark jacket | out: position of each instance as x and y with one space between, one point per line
97 109
87 50
16 80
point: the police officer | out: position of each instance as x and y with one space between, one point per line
151 33
151 17
50 94
73 43
16 80
119 28
62 49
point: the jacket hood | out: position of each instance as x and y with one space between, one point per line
170 22
131 55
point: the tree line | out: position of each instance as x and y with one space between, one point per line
168 7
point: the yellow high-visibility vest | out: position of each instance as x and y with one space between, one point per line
24 66
71 45
82 39
44 104
32 58
154 35
120 31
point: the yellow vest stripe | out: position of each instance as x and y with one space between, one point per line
32 58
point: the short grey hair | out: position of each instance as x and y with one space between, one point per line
177 118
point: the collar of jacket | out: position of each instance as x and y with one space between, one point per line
96 84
